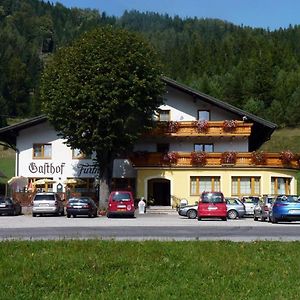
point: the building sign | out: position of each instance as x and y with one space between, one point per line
46 168
87 169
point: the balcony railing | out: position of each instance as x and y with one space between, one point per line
193 128
215 159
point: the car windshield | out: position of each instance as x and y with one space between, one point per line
212 198
288 198
78 201
44 197
121 197
250 200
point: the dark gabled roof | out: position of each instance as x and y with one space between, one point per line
262 129
8 134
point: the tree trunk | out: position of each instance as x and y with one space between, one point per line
105 176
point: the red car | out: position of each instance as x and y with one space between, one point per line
212 205
120 203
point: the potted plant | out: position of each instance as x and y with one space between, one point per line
287 156
258 157
229 125
228 158
201 126
170 157
199 157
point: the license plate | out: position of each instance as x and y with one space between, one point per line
121 206
77 206
121 209
212 208
294 211
44 204
2 205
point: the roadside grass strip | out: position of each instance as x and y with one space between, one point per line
96 269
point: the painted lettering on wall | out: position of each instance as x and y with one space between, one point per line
87 169
46 168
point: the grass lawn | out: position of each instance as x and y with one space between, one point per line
95 269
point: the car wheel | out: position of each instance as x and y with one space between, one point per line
232 214
274 220
224 219
191 214
108 215
34 215
68 216
199 218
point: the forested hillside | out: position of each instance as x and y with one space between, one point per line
255 69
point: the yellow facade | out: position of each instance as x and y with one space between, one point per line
180 180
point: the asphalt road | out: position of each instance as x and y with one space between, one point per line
144 227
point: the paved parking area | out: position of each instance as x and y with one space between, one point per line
148 220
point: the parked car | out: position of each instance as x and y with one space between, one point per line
250 202
47 203
81 206
120 203
212 205
235 208
9 206
285 208
262 208
190 211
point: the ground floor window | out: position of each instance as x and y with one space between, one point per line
242 186
280 185
200 184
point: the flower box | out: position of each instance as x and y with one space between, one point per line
229 125
201 126
199 158
228 158
170 157
258 158
287 156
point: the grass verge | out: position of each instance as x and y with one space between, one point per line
149 270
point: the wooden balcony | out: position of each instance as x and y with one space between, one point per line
184 159
189 128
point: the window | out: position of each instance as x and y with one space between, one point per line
280 185
203 115
78 154
162 148
201 184
204 147
42 151
164 115
245 186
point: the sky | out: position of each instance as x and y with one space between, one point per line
271 14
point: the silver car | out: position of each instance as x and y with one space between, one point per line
263 208
235 209
47 203
250 202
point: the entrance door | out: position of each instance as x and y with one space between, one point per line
159 191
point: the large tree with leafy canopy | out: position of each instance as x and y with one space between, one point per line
100 94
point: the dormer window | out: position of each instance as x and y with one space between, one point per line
203 115
164 115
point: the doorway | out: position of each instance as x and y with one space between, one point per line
159 191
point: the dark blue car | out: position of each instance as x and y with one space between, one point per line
285 208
